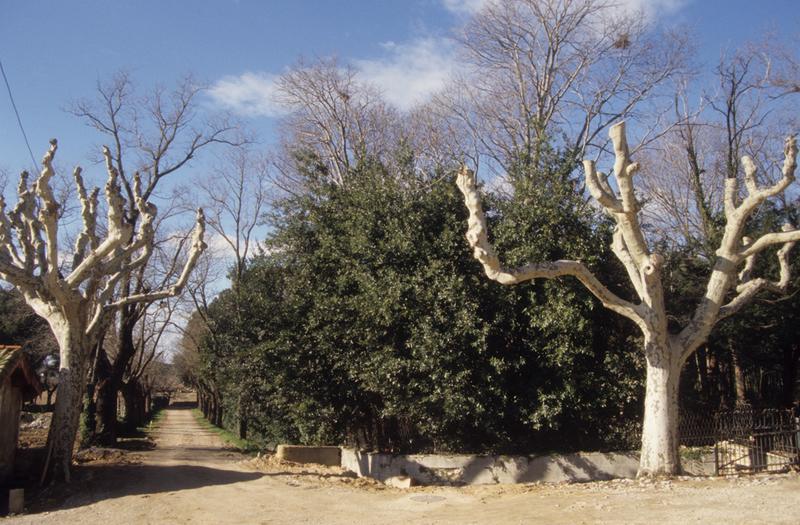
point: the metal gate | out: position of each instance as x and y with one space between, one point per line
746 441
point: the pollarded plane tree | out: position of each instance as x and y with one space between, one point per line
730 286
79 305
160 134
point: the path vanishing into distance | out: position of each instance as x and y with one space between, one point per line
191 477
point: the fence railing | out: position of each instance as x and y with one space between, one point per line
745 440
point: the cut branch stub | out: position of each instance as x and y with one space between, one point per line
600 189
756 196
624 169
790 157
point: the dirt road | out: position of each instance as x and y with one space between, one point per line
191 478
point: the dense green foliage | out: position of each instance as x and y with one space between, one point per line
369 322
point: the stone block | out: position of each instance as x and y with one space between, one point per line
329 456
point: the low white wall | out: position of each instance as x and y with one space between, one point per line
481 470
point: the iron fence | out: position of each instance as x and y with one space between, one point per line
744 440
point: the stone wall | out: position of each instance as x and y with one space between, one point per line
477 470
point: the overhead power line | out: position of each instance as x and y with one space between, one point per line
16 112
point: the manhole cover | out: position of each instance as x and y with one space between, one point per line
427 498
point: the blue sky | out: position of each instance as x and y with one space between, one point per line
55 51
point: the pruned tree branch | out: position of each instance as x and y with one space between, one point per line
197 248
35 267
484 252
750 287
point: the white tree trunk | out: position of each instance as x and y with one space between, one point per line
659 454
66 416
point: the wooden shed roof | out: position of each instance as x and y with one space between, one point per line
13 359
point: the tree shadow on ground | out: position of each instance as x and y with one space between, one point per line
134 444
93 483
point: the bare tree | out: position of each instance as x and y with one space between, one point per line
156 135
731 284
190 367
159 380
684 172
539 70
682 189
187 358
236 196
438 138
145 370
334 115
3 180
79 305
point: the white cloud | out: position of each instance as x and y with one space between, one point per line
499 184
653 8
250 94
221 249
218 246
407 74
412 72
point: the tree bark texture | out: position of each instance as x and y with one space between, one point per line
106 402
659 453
738 377
67 411
791 356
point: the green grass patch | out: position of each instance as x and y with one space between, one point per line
153 420
243 445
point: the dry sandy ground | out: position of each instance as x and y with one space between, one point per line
191 478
